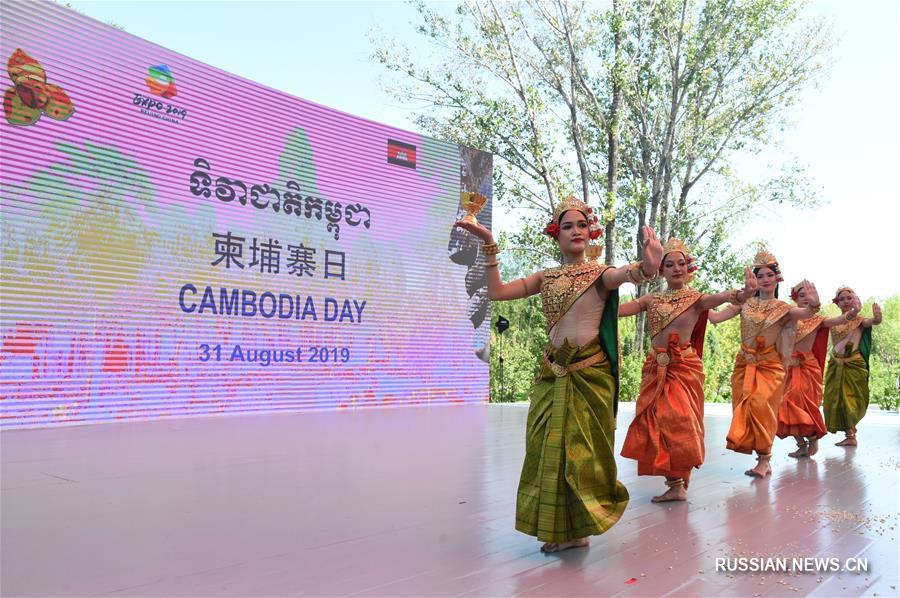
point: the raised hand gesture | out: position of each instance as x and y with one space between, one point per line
479 230
751 285
876 313
812 295
651 250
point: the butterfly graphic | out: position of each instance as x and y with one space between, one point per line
31 95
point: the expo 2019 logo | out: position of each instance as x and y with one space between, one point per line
161 82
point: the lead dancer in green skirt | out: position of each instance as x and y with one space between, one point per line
568 489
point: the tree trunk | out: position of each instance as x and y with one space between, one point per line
612 170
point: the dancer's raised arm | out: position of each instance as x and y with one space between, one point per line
717 317
813 304
497 289
637 272
733 295
876 314
634 307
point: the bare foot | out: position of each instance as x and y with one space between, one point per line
800 452
761 470
551 547
813 446
673 493
846 442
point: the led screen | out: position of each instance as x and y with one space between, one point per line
177 241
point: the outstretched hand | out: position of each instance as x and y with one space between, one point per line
479 230
651 250
876 313
812 295
751 284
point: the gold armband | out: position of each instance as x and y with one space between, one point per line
490 249
635 273
733 297
493 264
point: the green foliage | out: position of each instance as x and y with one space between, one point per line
521 347
719 350
885 359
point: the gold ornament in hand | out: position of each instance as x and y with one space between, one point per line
472 203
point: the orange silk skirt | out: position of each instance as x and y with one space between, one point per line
799 413
756 388
666 435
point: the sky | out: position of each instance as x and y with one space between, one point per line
845 129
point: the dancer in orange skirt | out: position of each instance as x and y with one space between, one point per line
758 378
666 435
799 414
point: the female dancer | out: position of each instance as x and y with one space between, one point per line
756 384
799 414
568 489
846 396
666 435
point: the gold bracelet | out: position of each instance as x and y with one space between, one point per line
815 308
635 273
490 249
493 264
733 297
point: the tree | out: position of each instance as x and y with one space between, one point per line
644 103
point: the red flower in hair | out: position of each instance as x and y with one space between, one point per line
552 229
596 233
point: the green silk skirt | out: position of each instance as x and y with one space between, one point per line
568 488
846 394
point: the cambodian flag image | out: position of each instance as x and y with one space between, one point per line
401 154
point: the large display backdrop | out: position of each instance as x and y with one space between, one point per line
178 241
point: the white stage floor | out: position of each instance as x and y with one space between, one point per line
415 502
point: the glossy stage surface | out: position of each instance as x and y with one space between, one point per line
417 502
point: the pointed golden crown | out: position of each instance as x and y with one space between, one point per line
571 203
674 244
764 258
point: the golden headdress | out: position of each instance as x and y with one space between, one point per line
573 203
840 290
674 244
765 259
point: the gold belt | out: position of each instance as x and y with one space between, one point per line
560 370
843 359
756 356
663 358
